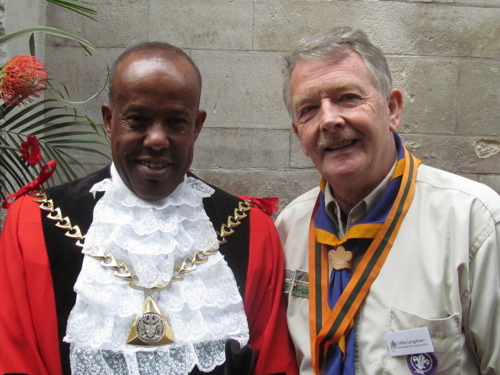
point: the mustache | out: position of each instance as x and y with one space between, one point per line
329 139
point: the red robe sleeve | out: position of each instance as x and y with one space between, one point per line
264 300
28 322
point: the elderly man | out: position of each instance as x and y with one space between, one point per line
158 290
392 266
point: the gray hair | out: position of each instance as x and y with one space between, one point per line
336 43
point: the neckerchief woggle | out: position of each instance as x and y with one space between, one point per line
332 310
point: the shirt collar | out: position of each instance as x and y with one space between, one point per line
359 211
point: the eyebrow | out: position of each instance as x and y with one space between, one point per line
135 108
342 86
178 112
142 109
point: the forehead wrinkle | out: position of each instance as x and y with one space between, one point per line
312 90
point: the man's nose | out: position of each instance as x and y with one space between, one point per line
331 118
156 137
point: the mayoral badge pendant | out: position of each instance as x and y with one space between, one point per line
151 328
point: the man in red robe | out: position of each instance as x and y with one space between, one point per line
123 272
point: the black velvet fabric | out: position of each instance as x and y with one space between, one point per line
219 207
239 361
66 259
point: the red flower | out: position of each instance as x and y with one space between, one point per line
20 78
30 151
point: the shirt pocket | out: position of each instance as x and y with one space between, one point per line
445 336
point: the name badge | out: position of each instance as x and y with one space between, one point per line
411 341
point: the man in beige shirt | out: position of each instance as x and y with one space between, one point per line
392 266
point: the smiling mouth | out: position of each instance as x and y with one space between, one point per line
153 165
340 145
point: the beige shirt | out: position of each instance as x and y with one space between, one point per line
443 273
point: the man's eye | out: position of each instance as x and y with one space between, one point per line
135 120
350 97
307 110
177 120
178 123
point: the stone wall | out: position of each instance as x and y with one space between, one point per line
444 54
16 15
19 15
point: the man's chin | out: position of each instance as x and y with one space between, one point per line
154 189
152 195
341 174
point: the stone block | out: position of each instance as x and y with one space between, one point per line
492 180
457 154
19 15
241 148
82 75
429 104
490 3
202 24
242 89
396 27
487 3
297 157
144 3
478 98
117 25
92 159
427 1
286 185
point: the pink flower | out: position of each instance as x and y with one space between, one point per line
30 151
21 78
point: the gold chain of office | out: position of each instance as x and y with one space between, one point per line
121 270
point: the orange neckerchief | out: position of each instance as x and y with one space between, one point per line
329 326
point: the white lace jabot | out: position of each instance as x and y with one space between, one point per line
204 310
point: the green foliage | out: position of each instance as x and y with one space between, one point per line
75 7
47 30
61 130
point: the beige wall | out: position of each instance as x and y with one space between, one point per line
444 54
22 14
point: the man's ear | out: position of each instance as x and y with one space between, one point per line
395 103
107 115
297 133
200 120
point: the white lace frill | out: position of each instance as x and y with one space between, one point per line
204 310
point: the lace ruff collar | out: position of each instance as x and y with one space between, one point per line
204 310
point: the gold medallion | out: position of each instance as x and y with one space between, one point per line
340 259
150 329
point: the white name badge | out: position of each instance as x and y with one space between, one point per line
411 341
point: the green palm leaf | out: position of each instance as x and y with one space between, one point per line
57 133
55 121
47 30
73 6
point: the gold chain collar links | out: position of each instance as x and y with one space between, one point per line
122 270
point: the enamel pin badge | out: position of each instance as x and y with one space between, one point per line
422 364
